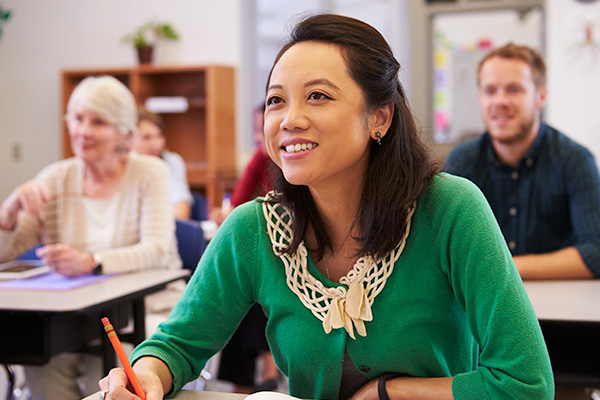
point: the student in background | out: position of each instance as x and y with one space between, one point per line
150 139
255 179
379 277
248 343
543 187
105 210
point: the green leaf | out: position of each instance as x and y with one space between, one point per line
168 32
4 14
149 33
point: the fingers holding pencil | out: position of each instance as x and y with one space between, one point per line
125 377
116 386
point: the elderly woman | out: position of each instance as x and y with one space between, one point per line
379 277
105 210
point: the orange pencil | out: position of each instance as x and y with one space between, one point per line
114 339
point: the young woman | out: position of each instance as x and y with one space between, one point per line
150 139
379 277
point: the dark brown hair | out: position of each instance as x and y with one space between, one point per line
529 55
399 170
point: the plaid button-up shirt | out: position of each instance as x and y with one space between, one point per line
549 202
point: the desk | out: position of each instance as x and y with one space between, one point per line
38 324
194 395
569 314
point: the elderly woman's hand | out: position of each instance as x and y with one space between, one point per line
65 260
29 196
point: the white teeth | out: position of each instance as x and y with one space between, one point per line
294 148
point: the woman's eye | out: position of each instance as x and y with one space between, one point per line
317 96
274 100
98 122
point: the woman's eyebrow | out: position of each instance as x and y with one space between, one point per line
321 81
274 87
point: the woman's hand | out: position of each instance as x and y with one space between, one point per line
118 387
65 260
218 214
153 374
29 196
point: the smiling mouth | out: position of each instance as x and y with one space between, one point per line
296 148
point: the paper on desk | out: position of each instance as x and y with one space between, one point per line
270 396
53 281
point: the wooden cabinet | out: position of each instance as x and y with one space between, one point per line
204 135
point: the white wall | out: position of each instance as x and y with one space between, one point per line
44 37
573 104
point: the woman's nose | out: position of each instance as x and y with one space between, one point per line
83 128
295 117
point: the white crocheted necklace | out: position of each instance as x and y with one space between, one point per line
336 307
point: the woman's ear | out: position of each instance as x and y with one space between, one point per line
124 144
382 119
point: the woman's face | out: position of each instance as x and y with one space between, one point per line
316 128
149 139
92 137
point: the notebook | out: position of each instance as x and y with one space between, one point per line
21 269
266 395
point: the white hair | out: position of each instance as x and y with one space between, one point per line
109 98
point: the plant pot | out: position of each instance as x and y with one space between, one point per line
145 54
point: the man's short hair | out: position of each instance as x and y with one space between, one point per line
529 55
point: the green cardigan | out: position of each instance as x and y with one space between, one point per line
454 305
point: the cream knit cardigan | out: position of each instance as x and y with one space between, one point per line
145 233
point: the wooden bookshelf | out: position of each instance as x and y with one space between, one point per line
204 135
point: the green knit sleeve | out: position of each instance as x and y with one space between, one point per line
513 360
217 297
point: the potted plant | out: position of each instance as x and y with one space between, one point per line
4 16
145 37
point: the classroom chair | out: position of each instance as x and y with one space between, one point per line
190 242
199 211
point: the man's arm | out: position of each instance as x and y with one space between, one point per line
561 264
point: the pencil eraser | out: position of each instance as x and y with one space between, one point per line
105 321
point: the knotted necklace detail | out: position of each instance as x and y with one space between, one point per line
337 306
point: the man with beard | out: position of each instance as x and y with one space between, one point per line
543 187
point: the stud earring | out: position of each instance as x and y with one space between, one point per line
378 136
